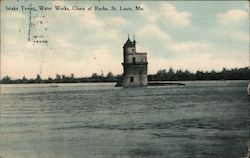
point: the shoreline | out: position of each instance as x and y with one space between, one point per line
151 83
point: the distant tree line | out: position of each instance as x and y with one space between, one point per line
162 75
62 79
179 75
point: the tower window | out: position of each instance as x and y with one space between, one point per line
133 59
131 79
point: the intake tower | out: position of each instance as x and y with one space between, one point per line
135 66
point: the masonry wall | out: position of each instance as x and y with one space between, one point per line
135 75
136 57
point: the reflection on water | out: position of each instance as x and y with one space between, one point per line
201 119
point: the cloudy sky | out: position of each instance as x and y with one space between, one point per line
202 35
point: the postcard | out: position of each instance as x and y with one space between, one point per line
124 79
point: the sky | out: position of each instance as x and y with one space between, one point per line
203 35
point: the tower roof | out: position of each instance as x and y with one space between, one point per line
129 43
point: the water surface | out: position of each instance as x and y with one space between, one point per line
200 120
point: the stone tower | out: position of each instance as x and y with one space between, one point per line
135 66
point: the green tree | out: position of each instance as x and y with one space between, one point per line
38 77
94 76
6 79
110 75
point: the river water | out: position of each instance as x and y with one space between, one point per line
203 119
